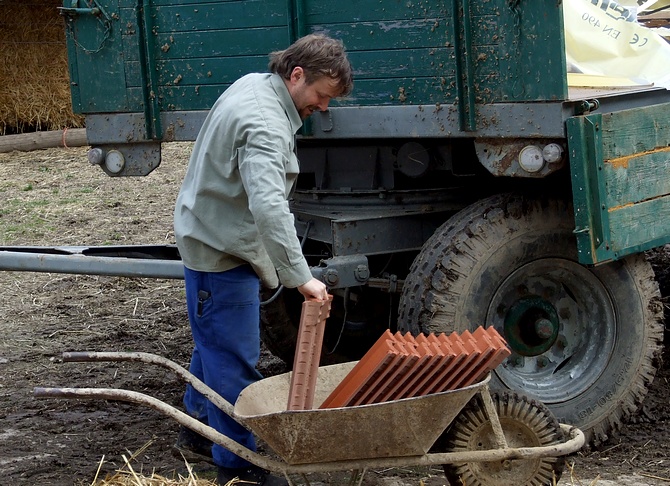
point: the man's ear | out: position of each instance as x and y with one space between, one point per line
297 74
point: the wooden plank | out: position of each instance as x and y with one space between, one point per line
367 92
320 12
98 83
637 177
406 34
381 65
192 3
640 226
634 131
220 15
203 71
258 41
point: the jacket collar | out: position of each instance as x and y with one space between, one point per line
287 102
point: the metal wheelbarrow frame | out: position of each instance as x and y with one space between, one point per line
382 435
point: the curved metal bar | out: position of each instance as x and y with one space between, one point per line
168 410
575 442
218 401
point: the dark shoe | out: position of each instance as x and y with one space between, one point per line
253 474
192 446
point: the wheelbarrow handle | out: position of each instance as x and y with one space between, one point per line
168 410
218 401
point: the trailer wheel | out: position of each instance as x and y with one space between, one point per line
525 423
350 330
583 340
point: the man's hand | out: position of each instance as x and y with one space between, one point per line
314 289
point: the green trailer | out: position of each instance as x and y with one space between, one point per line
464 182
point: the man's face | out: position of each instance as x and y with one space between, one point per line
309 98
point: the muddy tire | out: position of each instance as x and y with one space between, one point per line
583 340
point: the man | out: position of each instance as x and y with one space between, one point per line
234 230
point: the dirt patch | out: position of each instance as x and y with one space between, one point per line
53 197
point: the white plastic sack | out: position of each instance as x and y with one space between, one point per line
603 38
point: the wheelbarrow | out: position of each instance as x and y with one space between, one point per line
499 439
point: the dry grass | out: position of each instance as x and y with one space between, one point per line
34 80
127 476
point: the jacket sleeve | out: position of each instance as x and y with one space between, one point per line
267 165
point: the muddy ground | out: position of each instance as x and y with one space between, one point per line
53 197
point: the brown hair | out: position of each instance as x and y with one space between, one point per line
318 55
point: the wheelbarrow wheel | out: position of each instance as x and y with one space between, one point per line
525 423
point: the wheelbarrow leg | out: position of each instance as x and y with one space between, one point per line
357 476
490 409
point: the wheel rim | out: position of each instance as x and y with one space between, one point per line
560 323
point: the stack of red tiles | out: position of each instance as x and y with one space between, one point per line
400 366
308 353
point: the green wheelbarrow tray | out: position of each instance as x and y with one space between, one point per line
389 434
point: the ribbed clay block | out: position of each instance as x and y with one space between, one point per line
308 353
324 314
400 366
447 358
418 363
432 356
478 350
376 357
487 350
457 354
394 380
376 387
500 353
496 337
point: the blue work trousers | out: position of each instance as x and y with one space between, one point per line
223 309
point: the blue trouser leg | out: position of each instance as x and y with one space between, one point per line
196 404
223 310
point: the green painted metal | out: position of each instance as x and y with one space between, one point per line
149 78
151 56
301 27
96 63
464 65
619 164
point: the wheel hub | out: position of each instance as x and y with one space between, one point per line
554 314
531 326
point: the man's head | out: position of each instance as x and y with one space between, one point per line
315 69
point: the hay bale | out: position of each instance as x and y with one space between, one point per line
34 81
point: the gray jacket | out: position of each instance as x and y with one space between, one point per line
233 204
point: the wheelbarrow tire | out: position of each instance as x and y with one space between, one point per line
525 423
509 261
